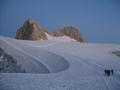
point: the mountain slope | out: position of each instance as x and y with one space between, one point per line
33 60
85 71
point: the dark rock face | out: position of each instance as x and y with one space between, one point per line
8 64
69 31
30 31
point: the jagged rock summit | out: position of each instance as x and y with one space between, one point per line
31 31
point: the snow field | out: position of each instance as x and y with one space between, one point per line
74 66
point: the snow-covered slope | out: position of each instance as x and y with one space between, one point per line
32 59
61 65
60 38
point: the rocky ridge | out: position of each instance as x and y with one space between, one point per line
31 31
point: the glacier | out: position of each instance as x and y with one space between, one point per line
61 64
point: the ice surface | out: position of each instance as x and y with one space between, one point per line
34 60
83 65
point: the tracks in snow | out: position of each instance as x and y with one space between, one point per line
99 67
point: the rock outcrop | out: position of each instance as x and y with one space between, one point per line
31 31
70 31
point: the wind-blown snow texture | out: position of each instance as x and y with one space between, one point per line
57 65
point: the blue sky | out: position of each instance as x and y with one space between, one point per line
97 20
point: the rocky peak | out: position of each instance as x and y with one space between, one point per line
30 24
70 31
30 21
30 31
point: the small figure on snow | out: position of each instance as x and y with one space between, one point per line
111 71
108 72
105 72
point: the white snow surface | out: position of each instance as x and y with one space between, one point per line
61 65
60 38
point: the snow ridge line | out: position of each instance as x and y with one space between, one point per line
36 59
86 61
45 45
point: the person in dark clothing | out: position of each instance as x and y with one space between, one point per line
108 72
111 71
105 72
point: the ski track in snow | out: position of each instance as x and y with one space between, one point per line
98 66
60 80
101 68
